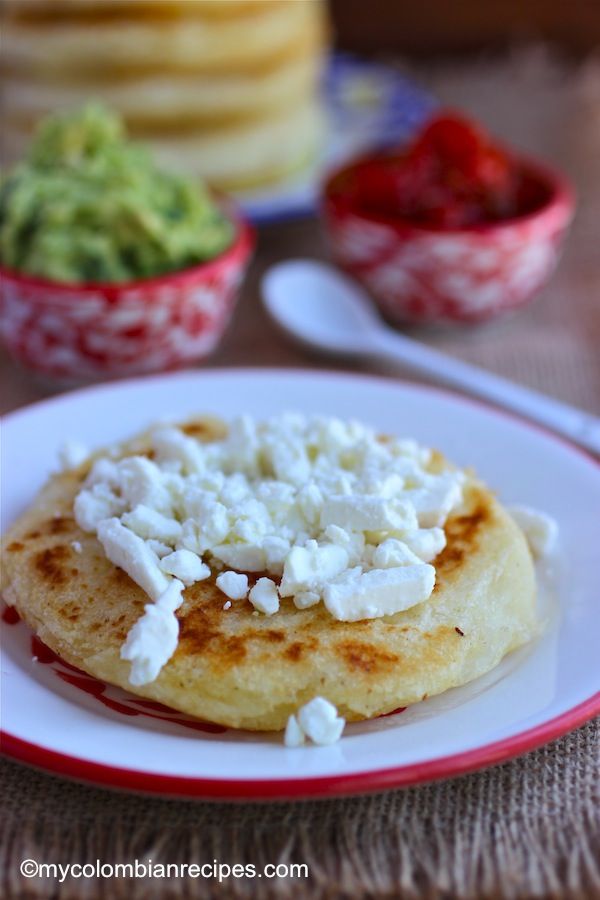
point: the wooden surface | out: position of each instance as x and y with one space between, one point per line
442 27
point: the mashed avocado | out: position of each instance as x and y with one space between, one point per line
87 205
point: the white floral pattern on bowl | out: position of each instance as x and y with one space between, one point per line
419 274
86 332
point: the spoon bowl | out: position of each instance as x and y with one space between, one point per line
321 307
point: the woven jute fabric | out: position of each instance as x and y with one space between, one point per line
527 828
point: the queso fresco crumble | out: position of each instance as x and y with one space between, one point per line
329 511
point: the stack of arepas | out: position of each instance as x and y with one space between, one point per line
226 89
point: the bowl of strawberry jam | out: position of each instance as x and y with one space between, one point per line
453 227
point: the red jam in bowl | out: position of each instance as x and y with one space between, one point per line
452 176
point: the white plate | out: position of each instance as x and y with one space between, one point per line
69 723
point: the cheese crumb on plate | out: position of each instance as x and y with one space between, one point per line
317 720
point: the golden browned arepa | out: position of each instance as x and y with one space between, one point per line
242 669
276 146
194 40
90 11
227 90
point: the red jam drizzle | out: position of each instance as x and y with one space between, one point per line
10 615
95 688
42 653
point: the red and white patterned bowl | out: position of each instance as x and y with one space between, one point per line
424 274
74 333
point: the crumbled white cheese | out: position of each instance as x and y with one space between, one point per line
172 444
76 545
310 502
153 639
128 551
185 565
328 507
208 524
353 542
159 548
311 566
94 505
247 557
71 454
233 584
294 736
264 597
276 550
318 720
103 472
433 502
149 523
306 599
356 513
426 543
380 592
227 604
540 529
142 482
393 552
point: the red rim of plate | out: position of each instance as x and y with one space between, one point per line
326 786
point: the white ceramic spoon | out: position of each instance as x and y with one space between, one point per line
322 307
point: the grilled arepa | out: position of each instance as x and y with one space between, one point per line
246 670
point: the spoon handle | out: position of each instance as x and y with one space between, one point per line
573 423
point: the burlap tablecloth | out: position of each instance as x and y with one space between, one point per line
528 828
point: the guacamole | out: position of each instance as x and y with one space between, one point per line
87 205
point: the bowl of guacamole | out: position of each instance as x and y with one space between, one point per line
110 264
